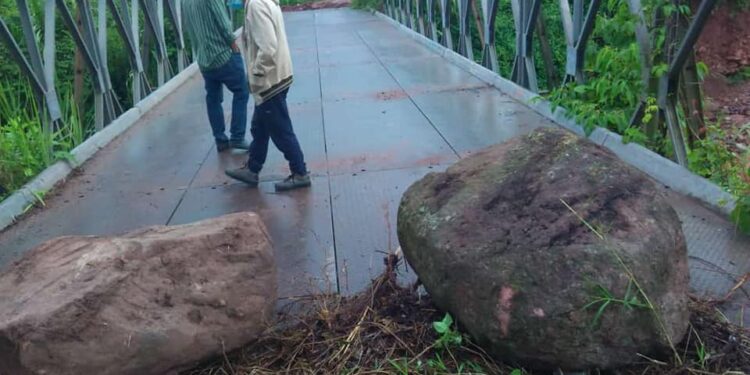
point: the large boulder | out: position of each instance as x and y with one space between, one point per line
149 302
495 245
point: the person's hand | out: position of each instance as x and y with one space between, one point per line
235 48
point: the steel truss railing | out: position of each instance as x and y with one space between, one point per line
578 25
91 41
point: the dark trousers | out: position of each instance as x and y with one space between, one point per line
271 121
232 75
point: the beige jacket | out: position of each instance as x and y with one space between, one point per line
269 63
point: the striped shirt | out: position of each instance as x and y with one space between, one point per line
208 27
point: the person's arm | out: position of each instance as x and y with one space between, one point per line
219 15
263 33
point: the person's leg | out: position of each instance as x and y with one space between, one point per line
236 82
214 98
282 134
259 145
258 151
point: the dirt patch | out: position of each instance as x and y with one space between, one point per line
391 95
724 46
729 104
322 4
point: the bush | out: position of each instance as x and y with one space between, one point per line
368 4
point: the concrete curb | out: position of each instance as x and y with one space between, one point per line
661 169
19 202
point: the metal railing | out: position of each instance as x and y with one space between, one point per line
578 26
90 39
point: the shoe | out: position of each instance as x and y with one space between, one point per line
239 145
222 146
294 181
243 174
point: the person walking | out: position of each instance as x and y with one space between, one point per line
220 62
270 75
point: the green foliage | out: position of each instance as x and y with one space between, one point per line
613 76
741 214
25 148
740 76
613 90
20 156
714 159
442 361
449 336
368 4
608 97
605 298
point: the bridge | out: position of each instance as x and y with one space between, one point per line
376 107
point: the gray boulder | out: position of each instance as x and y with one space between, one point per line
495 245
150 302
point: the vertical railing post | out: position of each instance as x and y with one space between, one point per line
464 42
49 59
45 94
409 18
420 17
525 14
49 46
102 46
181 40
577 32
431 26
669 82
160 67
489 52
445 19
135 33
102 20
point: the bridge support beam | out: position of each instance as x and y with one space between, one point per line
489 53
431 26
464 40
525 14
445 18
669 83
577 33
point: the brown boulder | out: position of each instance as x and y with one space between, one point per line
494 245
148 302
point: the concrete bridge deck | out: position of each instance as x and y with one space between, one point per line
375 111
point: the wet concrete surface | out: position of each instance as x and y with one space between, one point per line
374 111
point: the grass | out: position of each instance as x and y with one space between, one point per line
367 4
606 298
740 76
25 147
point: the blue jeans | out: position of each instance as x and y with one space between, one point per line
271 121
232 75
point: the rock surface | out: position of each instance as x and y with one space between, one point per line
148 302
494 245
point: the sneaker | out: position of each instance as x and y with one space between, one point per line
294 181
243 174
222 146
239 145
